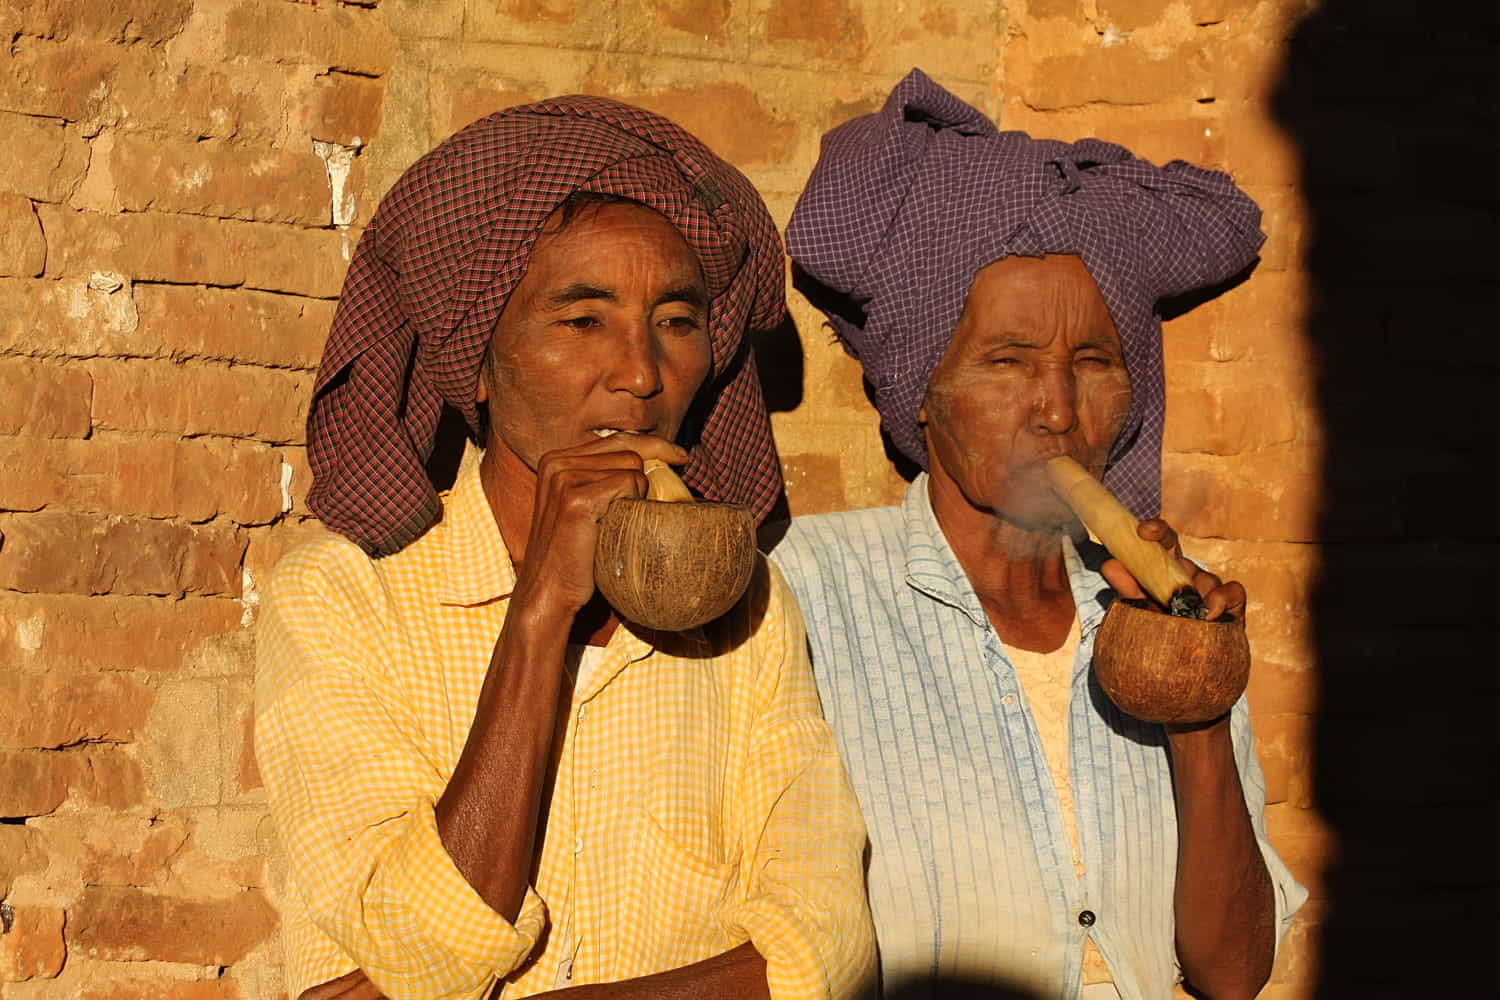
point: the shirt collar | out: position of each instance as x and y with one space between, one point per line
477 565
933 569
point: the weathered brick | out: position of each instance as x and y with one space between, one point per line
729 118
149 247
1272 494
150 477
114 849
184 744
129 925
945 34
324 36
224 181
459 98
121 21
67 553
139 987
71 81
23 248
1163 138
1114 74
1305 842
19 854
340 108
55 160
62 709
582 24
35 782
692 27
308 262
1227 409
64 318
248 326
1284 743
440 19
194 250
809 24
64 632
44 400
32 946
1262 319
232 400
1258 151
1129 15
243 101
814 482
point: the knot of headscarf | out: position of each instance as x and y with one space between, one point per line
905 205
451 241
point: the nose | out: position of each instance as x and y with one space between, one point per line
636 366
1056 410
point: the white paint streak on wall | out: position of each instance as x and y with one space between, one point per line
338 159
29 632
249 598
286 487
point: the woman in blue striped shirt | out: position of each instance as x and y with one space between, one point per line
1000 293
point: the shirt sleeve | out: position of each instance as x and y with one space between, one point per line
352 794
803 903
1290 894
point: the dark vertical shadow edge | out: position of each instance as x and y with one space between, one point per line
1395 109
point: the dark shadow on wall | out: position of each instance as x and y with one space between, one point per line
1396 110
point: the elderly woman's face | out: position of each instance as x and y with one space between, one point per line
607 331
1035 370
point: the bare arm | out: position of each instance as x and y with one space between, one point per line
487 815
1223 902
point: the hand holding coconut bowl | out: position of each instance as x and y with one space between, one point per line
1075 757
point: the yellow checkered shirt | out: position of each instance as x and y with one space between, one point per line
698 802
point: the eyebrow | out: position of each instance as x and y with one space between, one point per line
578 292
691 294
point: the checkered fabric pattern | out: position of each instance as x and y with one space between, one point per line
442 254
698 800
905 205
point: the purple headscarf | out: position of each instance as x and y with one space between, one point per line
906 205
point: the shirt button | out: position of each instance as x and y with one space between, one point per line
1007 700
582 711
578 849
1086 917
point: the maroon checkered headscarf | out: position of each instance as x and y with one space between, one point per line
906 205
449 243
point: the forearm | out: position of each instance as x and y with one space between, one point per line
487 815
1223 900
737 974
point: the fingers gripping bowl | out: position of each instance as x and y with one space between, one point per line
669 562
1158 665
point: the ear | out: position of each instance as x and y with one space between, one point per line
482 390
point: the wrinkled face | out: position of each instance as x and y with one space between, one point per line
608 330
1034 370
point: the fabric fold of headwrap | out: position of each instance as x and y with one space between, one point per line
450 242
907 204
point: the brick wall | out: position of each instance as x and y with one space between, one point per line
181 185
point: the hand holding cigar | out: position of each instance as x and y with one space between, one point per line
1187 665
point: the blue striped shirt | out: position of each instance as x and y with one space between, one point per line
971 869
